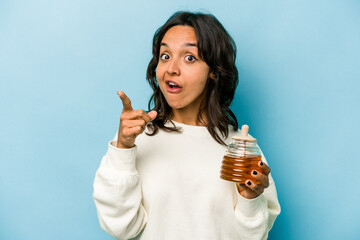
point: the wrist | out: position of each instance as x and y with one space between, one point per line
120 145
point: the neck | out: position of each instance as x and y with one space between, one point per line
189 114
189 117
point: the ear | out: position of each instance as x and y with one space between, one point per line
211 75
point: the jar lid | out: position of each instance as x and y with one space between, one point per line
244 134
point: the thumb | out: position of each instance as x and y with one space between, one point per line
152 115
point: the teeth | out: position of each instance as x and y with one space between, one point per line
171 84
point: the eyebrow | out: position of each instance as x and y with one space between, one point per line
184 45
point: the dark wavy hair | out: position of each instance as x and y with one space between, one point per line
218 50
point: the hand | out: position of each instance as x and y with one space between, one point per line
251 190
132 122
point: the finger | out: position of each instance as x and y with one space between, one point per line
256 188
131 132
242 187
125 101
262 178
133 123
245 191
136 114
152 115
264 168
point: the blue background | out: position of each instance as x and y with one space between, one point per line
61 63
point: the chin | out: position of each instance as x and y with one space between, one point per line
176 105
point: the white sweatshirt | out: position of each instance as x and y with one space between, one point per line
168 187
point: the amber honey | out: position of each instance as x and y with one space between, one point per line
238 169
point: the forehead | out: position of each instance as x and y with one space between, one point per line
179 34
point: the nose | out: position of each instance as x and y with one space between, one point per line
173 67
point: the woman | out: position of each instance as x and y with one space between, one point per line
165 184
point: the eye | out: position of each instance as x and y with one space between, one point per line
190 58
164 56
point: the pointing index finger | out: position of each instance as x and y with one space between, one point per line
125 101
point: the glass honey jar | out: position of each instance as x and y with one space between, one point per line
241 158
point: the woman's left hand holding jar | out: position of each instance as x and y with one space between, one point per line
251 190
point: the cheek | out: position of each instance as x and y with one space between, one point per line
159 71
159 78
202 83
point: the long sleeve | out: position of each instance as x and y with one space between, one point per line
180 194
256 216
117 194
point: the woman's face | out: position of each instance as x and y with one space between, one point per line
180 72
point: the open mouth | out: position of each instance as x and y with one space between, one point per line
173 87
